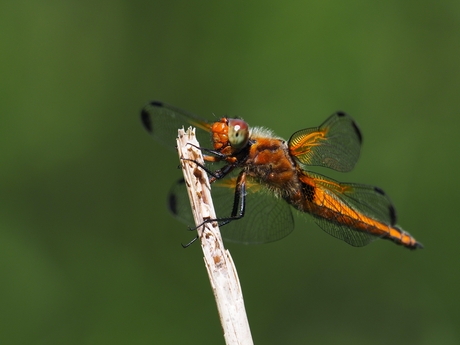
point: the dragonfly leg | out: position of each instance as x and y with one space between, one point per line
191 242
213 155
239 204
216 174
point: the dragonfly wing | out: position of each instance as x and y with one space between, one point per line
179 203
266 218
335 144
163 120
345 233
351 212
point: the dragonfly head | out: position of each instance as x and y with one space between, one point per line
230 135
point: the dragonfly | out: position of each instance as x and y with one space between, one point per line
258 179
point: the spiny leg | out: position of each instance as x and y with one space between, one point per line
238 210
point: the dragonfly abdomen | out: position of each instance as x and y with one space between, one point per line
339 220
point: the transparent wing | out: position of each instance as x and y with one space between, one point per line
335 144
354 213
266 218
163 120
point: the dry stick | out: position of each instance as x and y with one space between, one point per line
221 269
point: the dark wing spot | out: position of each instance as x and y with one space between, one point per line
157 104
358 132
172 199
172 202
378 190
353 123
391 209
393 217
145 116
146 120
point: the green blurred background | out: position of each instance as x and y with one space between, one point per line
88 251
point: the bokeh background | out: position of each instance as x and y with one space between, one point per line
88 251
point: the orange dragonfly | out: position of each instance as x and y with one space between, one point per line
267 175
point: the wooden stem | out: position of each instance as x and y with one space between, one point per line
219 264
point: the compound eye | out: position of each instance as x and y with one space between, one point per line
238 133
